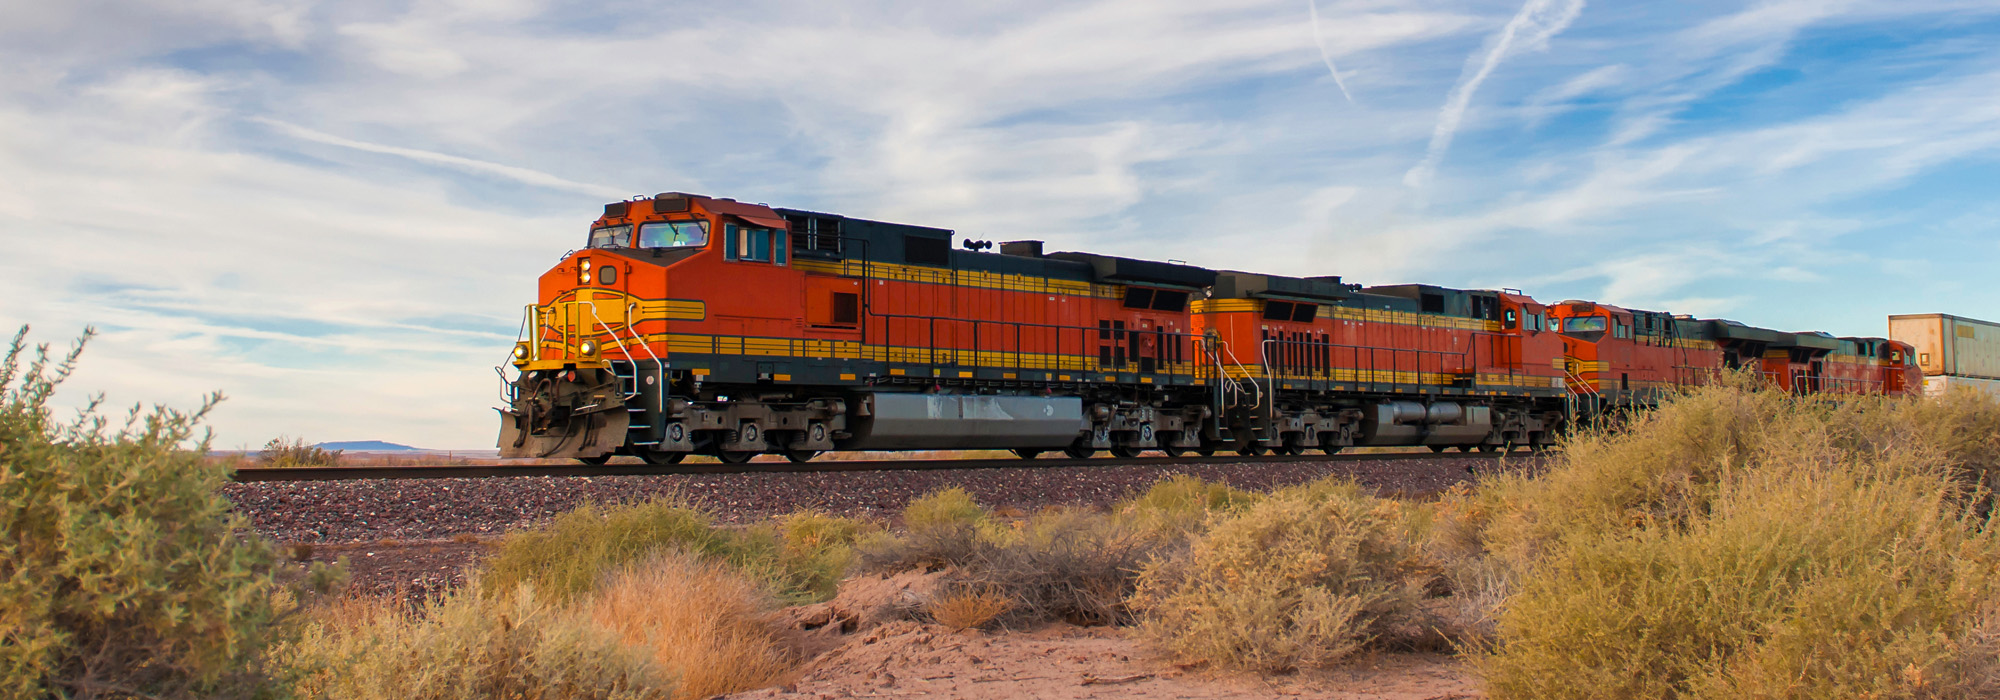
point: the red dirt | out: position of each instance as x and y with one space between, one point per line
905 658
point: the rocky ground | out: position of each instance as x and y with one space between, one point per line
864 644
1060 661
437 509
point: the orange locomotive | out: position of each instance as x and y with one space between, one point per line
698 325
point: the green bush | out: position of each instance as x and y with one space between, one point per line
296 452
943 508
1181 505
574 553
122 570
467 646
941 528
1303 578
1745 543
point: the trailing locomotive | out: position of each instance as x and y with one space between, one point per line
698 325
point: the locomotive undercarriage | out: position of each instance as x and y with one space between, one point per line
735 421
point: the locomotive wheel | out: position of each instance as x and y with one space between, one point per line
735 456
1327 449
1440 448
1250 449
1489 448
1289 445
801 455
1025 453
597 461
661 458
1079 452
1123 452
1173 451
1206 450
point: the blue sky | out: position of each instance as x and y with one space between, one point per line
334 211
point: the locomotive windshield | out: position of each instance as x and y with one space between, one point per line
611 236
1583 324
673 234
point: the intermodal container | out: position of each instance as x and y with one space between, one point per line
1950 345
1937 386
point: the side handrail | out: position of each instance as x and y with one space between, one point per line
659 368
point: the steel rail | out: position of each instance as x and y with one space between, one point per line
483 471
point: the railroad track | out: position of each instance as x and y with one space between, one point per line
484 471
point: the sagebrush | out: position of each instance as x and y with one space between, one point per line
1738 542
572 555
123 570
714 629
1304 578
467 646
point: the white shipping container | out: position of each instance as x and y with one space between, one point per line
1935 386
1949 345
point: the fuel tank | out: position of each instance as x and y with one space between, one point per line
911 421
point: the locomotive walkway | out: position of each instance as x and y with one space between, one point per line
483 471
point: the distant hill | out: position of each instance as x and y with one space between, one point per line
368 446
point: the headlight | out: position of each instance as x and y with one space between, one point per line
583 278
589 347
520 353
585 263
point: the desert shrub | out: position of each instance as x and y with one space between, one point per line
941 528
1060 564
1962 425
1302 578
1066 564
1801 584
820 547
1181 505
943 508
1746 543
963 606
706 623
573 554
122 570
296 452
466 646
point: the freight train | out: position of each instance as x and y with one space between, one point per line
700 325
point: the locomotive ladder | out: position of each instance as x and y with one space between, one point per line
627 372
1229 392
1570 397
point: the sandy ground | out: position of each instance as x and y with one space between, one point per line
905 658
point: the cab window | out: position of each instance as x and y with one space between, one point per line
751 244
1583 324
673 234
611 236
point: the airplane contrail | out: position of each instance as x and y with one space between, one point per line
1537 21
1312 8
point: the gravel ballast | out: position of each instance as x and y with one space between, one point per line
435 509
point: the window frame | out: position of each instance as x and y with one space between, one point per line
590 241
738 241
639 234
